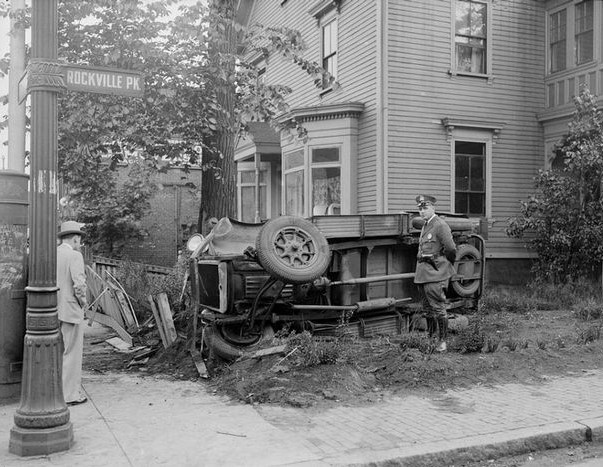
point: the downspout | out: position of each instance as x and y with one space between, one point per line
381 78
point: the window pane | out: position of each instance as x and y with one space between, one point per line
478 19
248 203
248 177
460 205
294 159
470 178
584 47
476 204
469 148
461 173
325 155
294 194
462 24
326 190
477 174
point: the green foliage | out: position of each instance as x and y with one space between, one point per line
305 350
112 210
139 284
588 309
470 339
419 341
565 217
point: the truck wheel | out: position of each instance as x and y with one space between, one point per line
228 343
468 263
293 250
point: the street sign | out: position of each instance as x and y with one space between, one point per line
103 80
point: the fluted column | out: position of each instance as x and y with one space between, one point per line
42 423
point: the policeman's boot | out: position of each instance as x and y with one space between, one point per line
443 325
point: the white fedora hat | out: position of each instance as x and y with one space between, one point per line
70 227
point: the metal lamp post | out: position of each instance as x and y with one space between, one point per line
42 423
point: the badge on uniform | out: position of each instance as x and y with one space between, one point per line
428 236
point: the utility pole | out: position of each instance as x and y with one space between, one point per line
42 423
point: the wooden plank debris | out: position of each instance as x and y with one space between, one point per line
166 318
158 321
199 363
278 349
108 321
118 343
108 305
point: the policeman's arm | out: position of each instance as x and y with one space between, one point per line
448 243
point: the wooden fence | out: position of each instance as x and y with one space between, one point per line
101 264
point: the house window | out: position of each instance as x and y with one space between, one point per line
584 33
246 189
470 178
293 172
326 181
329 49
471 36
557 40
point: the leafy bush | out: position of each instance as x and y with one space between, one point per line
588 309
471 339
139 284
562 221
304 350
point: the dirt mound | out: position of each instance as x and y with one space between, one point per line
517 348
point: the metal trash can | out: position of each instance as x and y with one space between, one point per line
13 278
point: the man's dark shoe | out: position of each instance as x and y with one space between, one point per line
79 401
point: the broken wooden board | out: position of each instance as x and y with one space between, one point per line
158 321
108 321
166 318
199 363
127 309
118 343
278 349
97 287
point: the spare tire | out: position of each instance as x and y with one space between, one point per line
293 250
468 263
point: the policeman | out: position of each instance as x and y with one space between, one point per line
435 259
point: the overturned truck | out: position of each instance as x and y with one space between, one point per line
326 274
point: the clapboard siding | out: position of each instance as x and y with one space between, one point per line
357 72
422 93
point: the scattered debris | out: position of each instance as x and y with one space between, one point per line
118 343
163 317
109 305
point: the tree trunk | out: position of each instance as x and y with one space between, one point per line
218 191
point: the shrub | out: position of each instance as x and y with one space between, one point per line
304 350
562 221
419 341
588 309
471 339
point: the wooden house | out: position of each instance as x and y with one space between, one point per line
461 99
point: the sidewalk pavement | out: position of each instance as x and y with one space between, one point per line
151 421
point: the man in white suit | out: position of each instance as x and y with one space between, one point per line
71 280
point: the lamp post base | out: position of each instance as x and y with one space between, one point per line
38 442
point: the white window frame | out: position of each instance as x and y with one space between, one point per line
250 167
454 71
321 165
299 168
472 136
326 20
308 165
570 40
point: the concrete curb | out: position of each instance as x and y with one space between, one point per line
478 448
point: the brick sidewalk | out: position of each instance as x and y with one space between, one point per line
138 421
